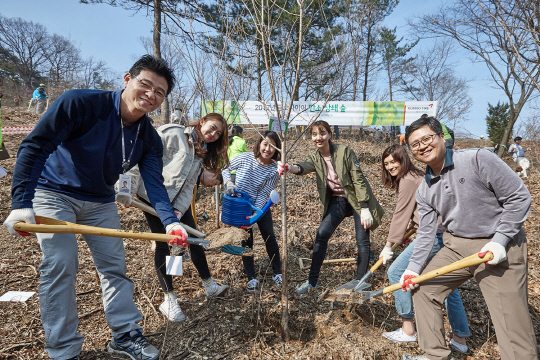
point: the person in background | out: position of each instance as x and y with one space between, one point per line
448 137
257 174
237 145
187 152
66 169
16 101
1 95
40 99
399 174
483 204
518 155
343 191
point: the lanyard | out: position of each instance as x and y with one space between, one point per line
125 163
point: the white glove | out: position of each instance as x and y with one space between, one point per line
124 199
499 252
407 284
177 230
230 188
386 254
367 219
26 215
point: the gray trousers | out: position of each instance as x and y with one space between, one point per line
58 269
39 106
504 287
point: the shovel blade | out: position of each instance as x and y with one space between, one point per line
361 286
236 250
348 286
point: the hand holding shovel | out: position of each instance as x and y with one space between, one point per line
358 297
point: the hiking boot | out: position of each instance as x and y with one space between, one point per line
213 289
304 288
134 345
278 279
399 336
252 285
171 309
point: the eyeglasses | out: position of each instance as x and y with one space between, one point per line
147 85
426 140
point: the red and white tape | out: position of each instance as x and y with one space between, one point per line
12 130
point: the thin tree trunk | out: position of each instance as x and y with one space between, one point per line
156 44
285 267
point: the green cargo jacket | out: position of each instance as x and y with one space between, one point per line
355 185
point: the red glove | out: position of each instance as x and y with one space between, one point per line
282 168
177 230
406 283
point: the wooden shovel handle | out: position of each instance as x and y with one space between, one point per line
337 260
463 263
48 225
394 248
142 206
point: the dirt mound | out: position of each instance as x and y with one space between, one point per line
227 236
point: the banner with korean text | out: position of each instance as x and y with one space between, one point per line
356 113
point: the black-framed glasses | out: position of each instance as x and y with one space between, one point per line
147 85
425 140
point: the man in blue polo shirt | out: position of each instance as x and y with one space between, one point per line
483 204
40 99
66 169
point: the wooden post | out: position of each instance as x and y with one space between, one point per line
284 266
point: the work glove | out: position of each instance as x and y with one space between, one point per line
406 281
230 188
124 199
282 168
499 252
528 149
367 219
386 254
177 230
26 215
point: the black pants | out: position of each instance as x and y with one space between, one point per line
266 226
337 210
162 251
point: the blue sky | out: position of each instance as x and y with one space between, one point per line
112 34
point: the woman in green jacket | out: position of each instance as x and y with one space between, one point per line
343 191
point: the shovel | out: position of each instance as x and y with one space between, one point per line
362 284
362 296
48 225
29 104
229 249
302 266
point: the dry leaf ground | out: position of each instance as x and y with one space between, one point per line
241 325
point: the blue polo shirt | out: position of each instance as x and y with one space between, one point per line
76 149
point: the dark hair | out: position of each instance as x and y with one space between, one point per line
155 65
517 138
400 155
272 136
322 124
215 155
424 120
235 130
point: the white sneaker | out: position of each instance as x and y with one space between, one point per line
171 309
278 279
399 336
213 289
458 347
304 288
414 357
252 285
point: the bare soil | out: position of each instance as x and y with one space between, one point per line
242 325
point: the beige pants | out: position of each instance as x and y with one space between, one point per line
504 287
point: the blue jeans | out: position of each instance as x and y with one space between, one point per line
404 306
57 298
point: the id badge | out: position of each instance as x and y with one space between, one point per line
124 183
173 265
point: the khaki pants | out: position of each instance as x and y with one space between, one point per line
504 287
